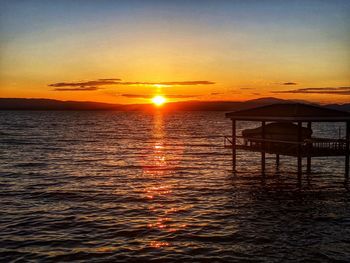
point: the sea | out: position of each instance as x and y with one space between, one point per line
109 186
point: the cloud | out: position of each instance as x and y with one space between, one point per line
78 89
136 96
116 81
170 96
216 93
109 79
169 83
192 82
289 83
83 84
326 90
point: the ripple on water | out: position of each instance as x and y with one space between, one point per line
125 187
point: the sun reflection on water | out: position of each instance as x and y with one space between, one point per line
158 189
158 244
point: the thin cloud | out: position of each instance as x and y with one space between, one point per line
78 89
85 83
326 90
195 82
136 96
109 79
169 83
181 96
117 81
141 96
289 83
216 93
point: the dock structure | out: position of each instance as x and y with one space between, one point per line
282 132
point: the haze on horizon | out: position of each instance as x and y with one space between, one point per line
130 51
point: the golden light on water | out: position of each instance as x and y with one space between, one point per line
158 100
158 191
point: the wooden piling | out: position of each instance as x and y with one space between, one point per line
299 152
233 145
263 148
308 158
347 151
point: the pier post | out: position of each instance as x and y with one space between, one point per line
347 151
308 158
263 148
233 145
299 152
277 160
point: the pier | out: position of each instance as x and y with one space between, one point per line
286 129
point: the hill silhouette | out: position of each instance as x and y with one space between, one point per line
49 104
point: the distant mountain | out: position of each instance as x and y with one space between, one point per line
48 104
224 105
343 107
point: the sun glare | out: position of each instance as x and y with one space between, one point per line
158 100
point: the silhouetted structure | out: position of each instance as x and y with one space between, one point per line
285 134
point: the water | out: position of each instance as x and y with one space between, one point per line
126 187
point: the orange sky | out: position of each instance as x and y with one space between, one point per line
231 50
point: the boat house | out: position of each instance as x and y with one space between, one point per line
283 132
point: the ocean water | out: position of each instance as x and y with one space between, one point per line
140 187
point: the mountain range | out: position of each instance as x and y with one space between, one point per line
49 104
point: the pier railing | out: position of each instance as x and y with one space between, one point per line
312 146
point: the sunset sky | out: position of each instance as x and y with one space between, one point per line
129 51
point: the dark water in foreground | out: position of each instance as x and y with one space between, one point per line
136 187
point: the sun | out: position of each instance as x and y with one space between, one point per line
158 100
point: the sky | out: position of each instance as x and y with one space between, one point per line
129 51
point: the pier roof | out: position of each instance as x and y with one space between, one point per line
290 112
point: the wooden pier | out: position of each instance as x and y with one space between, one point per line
298 146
